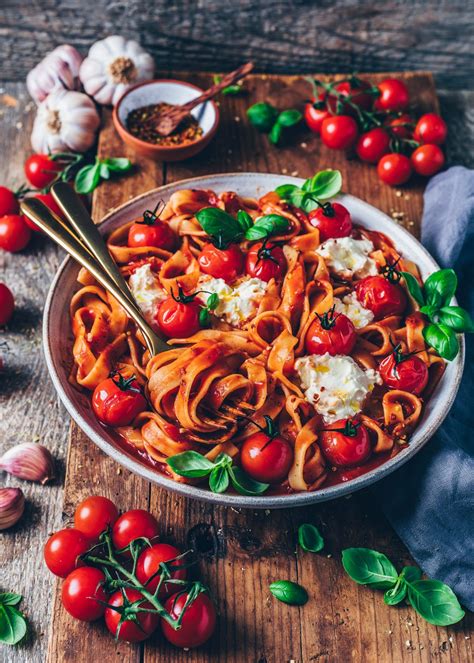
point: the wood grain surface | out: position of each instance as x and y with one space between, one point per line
240 552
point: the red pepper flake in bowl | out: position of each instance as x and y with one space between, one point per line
142 122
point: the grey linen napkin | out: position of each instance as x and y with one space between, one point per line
430 500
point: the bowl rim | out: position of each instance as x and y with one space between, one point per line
224 499
143 143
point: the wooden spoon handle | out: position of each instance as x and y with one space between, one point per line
228 79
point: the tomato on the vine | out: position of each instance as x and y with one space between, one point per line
372 145
401 126
355 91
331 332
41 170
394 95
132 525
381 296
315 112
339 132
394 169
94 515
198 624
116 401
148 565
267 456
427 160
431 128
178 315
7 304
14 233
345 443
82 592
62 550
225 264
8 202
406 372
128 630
266 261
150 231
332 220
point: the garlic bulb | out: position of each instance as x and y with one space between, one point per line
112 66
12 505
66 122
28 461
58 70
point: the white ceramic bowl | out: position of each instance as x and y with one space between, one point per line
57 345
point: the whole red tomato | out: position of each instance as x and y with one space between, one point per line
372 145
315 112
8 202
41 170
94 515
62 550
266 457
178 316
394 95
198 623
150 231
339 132
81 592
331 332
431 128
266 261
130 631
332 220
427 160
345 443
381 296
225 264
394 169
132 525
148 565
405 372
14 233
7 304
355 91
401 126
116 401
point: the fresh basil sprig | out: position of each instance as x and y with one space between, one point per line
211 305
323 185
89 177
230 90
225 228
434 299
310 538
221 472
266 118
289 592
12 622
432 599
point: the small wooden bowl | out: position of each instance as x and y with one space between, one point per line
171 92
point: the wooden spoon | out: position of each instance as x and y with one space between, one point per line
169 119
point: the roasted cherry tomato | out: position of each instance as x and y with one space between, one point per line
225 264
116 401
372 145
315 112
48 200
393 95
267 456
431 128
94 515
339 132
133 524
62 550
405 372
8 202
381 296
355 90
41 170
345 443
331 332
266 261
81 592
332 220
427 160
150 231
198 623
130 631
394 169
401 126
14 233
7 304
148 565
178 316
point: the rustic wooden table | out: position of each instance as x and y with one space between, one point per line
240 551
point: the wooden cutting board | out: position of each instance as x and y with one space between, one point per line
242 552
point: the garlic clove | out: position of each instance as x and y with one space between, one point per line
29 461
12 505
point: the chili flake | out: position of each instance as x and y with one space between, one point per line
141 123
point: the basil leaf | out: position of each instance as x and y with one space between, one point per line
289 592
397 594
413 288
217 223
272 224
104 171
275 133
117 164
9 598
440 287
12 624
222 459
204 318
325 184
411 573
87 178
263 116
219 479
310 538
442 339
429 310
290 117
369 567
190 464
244 484
244 219
291 194
457 318
212 301
435 602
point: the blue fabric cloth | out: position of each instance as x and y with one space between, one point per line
430 501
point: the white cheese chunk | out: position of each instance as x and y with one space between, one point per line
353 309
237 303
349 257
146 291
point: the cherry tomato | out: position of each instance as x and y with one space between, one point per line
398 125
41 170
117 401
394 169
149 563
427 160
331 332
393 95
81 593
431 128
225 264
151 233
266 458
133 524
62 550
178 318
355 88
94 515
315 116
266 261
406 372
14 233
339 132
8 202
381 296
332 220
198 623
128 630
48 200
345 443
372 145
7 304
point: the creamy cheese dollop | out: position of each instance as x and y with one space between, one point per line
146 291
336 386
349 257
237 303
353 309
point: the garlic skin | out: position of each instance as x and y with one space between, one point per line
12 505
58 70
29 461
112 66
66 122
